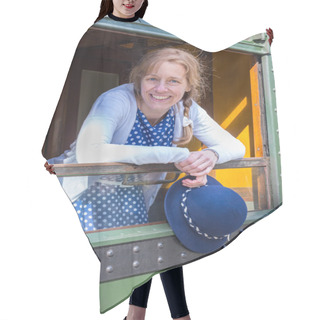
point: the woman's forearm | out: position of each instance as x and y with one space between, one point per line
232 150
211 134
95 153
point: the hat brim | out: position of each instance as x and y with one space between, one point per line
185 234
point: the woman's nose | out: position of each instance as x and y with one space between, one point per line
161 87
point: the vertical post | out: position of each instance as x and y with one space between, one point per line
272 129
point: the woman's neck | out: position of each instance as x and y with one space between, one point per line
113 17
154 122
152 118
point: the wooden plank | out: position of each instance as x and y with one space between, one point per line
113 168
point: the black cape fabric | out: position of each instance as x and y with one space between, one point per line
240 97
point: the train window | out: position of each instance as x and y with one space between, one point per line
237 80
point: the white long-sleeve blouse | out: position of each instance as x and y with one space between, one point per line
105 131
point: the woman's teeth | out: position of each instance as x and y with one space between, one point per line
160 97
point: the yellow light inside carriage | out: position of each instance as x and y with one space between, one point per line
235 113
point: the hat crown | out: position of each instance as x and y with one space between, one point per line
215 210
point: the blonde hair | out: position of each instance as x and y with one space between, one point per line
193 77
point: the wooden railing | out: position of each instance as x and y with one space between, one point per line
127 169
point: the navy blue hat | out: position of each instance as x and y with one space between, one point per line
203 218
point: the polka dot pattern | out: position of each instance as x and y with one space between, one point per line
146 135
104 206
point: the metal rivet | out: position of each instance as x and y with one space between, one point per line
160 260
136 249
136 264
109 269
160 245
110 253
183 255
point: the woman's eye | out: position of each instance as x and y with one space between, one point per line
174 81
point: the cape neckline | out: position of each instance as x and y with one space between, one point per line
113 17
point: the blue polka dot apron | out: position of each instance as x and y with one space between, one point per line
107 203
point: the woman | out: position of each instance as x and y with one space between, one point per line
149 121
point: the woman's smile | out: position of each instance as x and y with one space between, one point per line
156 97
129 6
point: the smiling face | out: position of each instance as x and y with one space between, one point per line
161 88
126 8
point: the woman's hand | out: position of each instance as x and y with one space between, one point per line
193 183
49 168
198 164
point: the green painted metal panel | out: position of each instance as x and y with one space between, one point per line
273 131
131 234
257 44
143 29
145 232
